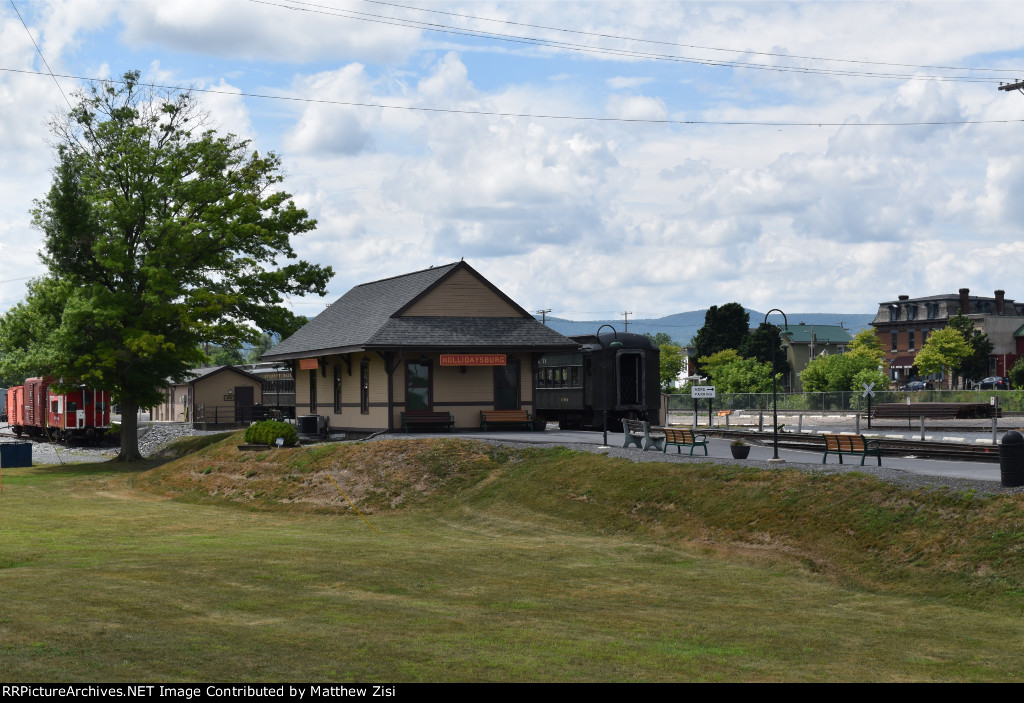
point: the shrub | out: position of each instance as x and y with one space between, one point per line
268 431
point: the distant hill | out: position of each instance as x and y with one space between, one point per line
683 326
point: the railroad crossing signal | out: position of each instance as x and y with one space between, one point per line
868 393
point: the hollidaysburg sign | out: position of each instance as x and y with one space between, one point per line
473 360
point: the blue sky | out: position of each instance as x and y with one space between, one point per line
800 206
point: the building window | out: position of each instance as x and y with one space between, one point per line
911 312
910 340
895 343
337 389
312 391
894 313
418 385
364 386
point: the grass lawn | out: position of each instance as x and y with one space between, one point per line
541 565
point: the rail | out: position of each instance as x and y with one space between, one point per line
844 401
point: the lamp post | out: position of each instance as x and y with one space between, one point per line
775 383
614 345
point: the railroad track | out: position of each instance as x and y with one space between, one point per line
985 453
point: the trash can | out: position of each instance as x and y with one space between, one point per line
15 454
1011 459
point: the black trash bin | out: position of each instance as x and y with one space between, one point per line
1011 459
15 454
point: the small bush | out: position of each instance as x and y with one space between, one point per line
268 431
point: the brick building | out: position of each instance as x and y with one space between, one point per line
903 326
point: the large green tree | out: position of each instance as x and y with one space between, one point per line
724 328
159 235
975 365
944 351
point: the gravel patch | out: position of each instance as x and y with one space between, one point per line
151 438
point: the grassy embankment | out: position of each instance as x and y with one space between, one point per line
497 564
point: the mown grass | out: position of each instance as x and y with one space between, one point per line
496 565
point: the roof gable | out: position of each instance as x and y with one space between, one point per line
415 310
462 292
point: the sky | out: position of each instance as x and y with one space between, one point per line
588 158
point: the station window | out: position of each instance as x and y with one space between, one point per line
895 341
364 386
312 391
337 389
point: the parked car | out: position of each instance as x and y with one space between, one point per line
996 383
918 386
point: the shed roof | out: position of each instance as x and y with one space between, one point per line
370 316
823 334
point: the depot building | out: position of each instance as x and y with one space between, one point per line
441 339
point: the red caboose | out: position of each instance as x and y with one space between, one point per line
36 409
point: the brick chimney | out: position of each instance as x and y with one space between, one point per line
904 297
965 301
1000 301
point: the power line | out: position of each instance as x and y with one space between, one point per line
489 113
298 6
40 52
681 45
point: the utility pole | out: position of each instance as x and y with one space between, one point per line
543 316
1019 85
625 317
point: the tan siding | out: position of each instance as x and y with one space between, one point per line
462 295
212 390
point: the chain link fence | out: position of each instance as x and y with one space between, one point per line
846 401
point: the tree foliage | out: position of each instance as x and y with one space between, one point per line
866 344
975 365
764 343
1016 374
842 372
159 235
670 360
731 373
944 351
724 328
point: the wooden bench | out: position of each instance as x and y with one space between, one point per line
684 438
427 418
639 433
505 417
854 444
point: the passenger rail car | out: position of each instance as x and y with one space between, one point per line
576 388
36 409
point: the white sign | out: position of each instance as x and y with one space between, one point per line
867 390
702 391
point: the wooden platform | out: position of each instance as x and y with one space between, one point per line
949 411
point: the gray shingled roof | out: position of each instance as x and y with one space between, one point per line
455 332
362 318
823 334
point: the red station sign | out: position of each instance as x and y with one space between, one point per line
473 360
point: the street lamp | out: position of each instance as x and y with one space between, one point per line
614 345
775 383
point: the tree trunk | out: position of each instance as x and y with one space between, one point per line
129 431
